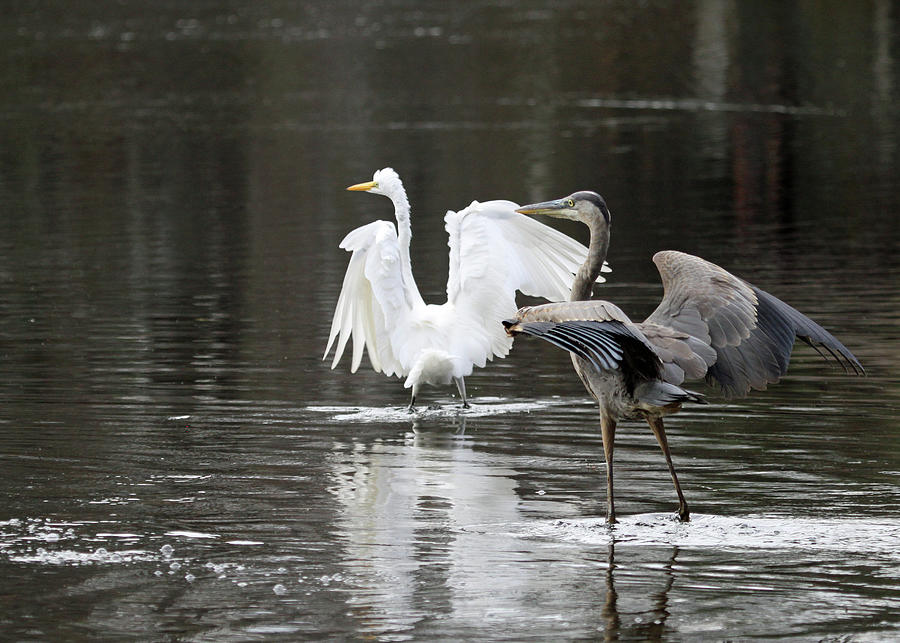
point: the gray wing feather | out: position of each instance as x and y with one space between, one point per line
593 310
751 331
607 345
683 356
562 337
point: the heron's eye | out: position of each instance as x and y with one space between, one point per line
570 203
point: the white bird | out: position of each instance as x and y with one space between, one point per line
494 251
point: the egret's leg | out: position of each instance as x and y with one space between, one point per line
461 387
608 434
412 401
656 424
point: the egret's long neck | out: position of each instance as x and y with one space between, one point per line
590 269
404 236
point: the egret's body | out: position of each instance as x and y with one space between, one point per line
494 251
709 324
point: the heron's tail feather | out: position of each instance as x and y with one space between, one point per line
659 393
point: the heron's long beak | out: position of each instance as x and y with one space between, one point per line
363 187
552 208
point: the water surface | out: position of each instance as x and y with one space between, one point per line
177 458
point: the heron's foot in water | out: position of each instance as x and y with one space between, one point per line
466 405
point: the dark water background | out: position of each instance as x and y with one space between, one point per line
176 461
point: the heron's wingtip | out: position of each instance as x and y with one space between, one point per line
696 397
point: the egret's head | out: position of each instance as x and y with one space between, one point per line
385 182
582 206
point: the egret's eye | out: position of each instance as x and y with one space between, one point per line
570 203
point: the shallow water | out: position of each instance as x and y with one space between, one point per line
178 460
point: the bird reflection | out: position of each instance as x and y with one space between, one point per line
610 607
643 622
420 427
411 515
433 529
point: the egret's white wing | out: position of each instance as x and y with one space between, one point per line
372 298
495 251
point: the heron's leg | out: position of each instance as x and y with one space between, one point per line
656 424
412 400
461 387
608 434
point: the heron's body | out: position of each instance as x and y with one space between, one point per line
494 251
709 324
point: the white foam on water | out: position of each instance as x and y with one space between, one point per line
73 557
50 543
722 532
116 500
190 534
483 407
118 535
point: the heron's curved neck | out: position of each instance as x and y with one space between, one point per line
404 236
590 269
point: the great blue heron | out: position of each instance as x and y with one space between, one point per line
494 251
709 324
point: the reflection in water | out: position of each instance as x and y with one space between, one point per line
647 622
884 112
711 60
418 520
405 510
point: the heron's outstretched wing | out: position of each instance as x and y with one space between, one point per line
607 345
584 310
683 356
680 354
495 251
373 295
751 332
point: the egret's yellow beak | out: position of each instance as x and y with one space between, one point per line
363 187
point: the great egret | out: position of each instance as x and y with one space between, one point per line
709 323
494 251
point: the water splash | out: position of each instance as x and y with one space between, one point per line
485 406
722 532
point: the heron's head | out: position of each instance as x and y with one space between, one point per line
385 182
584 206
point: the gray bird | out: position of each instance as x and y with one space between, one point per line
709 324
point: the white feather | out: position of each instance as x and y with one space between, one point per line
494 252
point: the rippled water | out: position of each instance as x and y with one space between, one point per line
178 462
